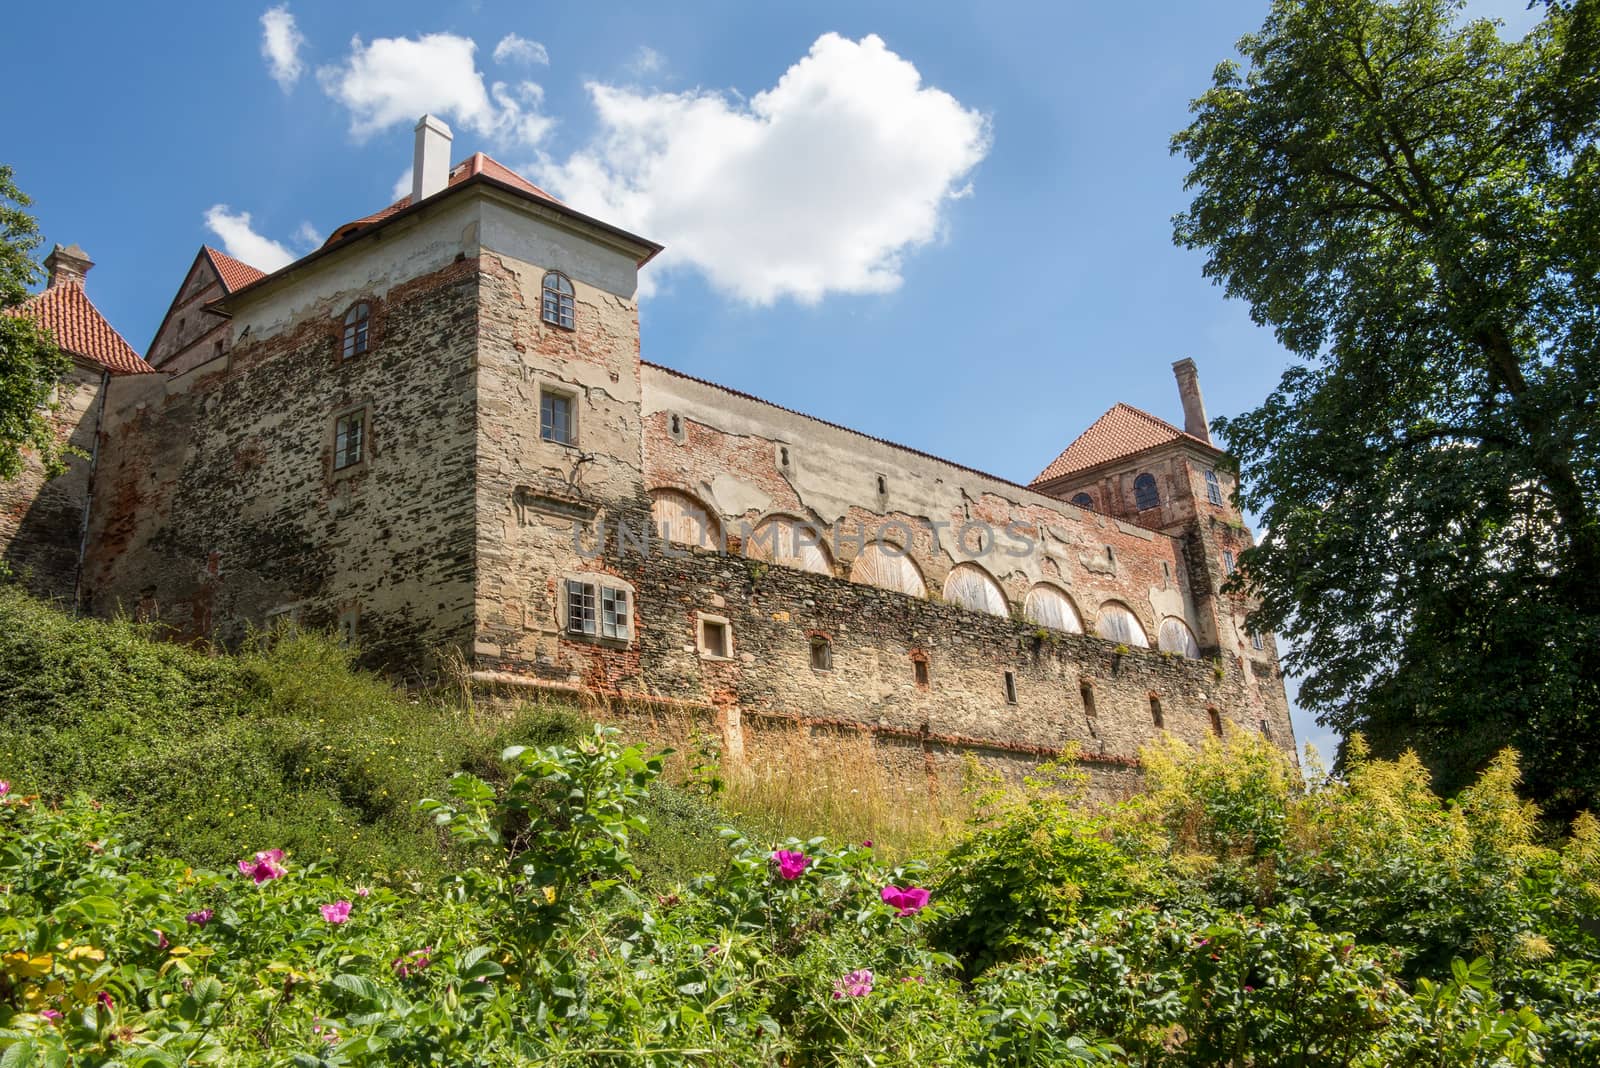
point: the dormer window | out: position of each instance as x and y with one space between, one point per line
557 306
357 330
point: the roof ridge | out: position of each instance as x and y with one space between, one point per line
79 328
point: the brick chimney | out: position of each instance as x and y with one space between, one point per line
430 161
67 265
1194 406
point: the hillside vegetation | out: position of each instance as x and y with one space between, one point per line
267 859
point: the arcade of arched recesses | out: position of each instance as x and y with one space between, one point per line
1176 637
790 541
682 519
971 587
1117 623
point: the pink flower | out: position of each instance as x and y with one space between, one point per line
867 844
856 984
200 917
105 1000
50 1014
362 891
790 864
161 939
264 866
906 902
338 912
412 963
5 788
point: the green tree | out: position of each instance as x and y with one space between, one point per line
30 362
1413 205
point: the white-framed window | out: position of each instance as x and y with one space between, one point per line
1257 642
349 439
1213 488
597 610
1228 562
557 307
558 420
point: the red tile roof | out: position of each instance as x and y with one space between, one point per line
234 274
476 164
1122 431
80 329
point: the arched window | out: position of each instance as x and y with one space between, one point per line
1145 494
1117 623
357 324
1083 500
971 587
1176 637
682 519
1049 607
889 568
791 542
1213 488
557 305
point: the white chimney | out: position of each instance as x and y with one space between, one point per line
430 163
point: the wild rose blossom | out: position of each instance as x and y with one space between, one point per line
856 984
264 866
906 901
410 964
5 787
790 863
363 891
161 939
337 912
199 917
50 1014
105 1000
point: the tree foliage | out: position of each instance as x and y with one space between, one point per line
30 362
1413 205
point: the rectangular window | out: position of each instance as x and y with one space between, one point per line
1257 642
919 672
556 418
1011 688
1216 721
821 654
1266 730
349 440
581 615
1213 488
1086 692
1227 561
1155 713
614 613
714 638
598 611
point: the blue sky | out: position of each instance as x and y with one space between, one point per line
948 225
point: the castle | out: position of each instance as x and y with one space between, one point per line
436 432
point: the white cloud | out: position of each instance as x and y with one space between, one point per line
394 80
241 242
402 185
515 49
280 46
646 61
819 185
308 236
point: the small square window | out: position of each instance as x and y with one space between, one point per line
349 440
821 654
556 418
598 611
919 671
714 638
1011 688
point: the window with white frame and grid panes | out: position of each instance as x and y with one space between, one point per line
598 610
1213 488
558 307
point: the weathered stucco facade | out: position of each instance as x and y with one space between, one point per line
517 466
